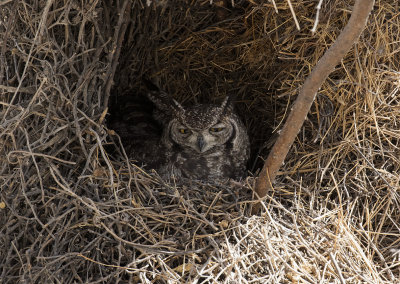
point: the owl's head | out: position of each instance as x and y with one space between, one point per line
198 128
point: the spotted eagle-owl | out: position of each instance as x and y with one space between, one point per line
202 141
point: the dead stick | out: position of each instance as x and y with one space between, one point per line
119 35
307 93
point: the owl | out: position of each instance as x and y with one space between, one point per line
203 141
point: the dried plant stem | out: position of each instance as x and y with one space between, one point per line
116 48
294 15
307 94
336 265
317 17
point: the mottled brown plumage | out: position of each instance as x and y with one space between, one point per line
204 141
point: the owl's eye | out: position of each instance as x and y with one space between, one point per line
184 130
216 129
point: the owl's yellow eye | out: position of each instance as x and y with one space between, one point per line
183 130
216 129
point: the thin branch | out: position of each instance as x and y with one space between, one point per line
293 15
336 265
119 35
314 28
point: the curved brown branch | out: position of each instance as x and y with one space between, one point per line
307 93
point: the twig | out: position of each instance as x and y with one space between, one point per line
4 2
106 160
37 39
314 28
5 38
116 47
275 7
32 154
339 272
293 14
10 89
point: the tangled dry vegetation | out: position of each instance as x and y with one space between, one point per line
73 209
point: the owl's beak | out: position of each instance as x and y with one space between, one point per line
201 143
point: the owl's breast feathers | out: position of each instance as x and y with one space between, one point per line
217 163
202 141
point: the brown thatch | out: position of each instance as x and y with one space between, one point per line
74 209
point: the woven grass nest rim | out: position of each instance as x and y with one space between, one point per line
72 212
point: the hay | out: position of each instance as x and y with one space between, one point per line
73 209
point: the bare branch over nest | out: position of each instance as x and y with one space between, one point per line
303 103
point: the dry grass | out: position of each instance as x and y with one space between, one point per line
75 210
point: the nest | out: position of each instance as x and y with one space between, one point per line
75 209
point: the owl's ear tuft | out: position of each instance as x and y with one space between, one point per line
159 99
227 105
164 102
178 107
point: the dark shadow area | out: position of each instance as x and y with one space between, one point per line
199 54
